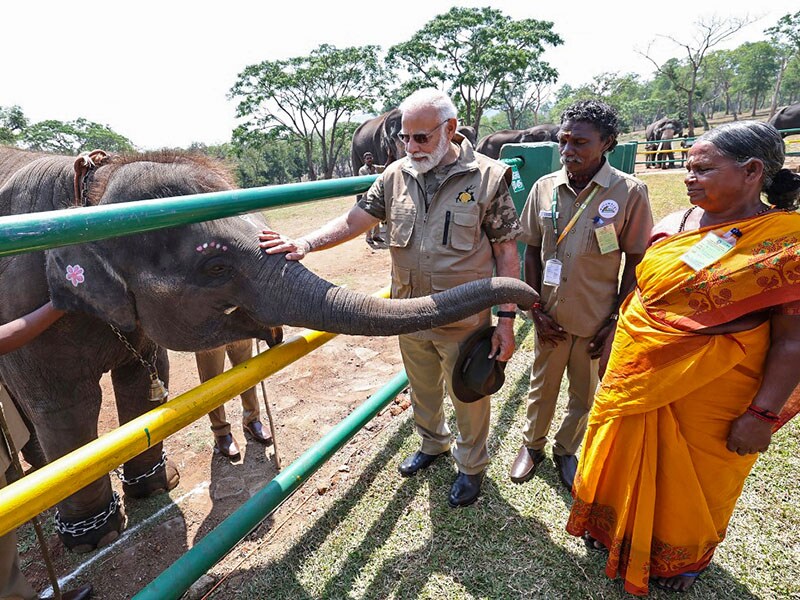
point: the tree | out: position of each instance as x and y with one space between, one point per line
757 66
260 159
719 69
305 99
73 137
12 123
521 94
791 81
470 52
785 36
707 34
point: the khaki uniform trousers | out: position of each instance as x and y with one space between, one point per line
13 584
211 363
547 371
429 365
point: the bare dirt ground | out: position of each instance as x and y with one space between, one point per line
307 399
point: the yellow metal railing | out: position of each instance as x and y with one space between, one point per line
46 487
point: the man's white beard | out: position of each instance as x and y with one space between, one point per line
424 162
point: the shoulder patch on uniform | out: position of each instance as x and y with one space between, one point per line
466 195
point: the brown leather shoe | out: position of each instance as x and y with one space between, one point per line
80 594
256 431
524 466
226 445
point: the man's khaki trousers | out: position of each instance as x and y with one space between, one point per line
12 582
429 366
211 363
549 363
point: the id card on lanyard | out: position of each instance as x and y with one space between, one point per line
552 267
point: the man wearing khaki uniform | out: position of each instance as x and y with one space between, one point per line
577 223
450 220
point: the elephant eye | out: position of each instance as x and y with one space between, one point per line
215 268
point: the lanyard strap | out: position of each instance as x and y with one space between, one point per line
575 217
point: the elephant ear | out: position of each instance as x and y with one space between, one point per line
82 280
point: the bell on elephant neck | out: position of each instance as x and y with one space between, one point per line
158 393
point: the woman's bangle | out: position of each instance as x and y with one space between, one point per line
763 414
506 314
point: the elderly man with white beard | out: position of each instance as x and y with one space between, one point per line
450 219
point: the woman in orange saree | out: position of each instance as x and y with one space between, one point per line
701 366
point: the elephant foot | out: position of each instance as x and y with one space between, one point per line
162 477
96 531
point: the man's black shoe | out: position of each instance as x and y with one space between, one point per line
415 462
567 467
465 490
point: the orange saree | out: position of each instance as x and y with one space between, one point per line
656 484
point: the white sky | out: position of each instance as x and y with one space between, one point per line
158 72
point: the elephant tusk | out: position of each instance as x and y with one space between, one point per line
230 309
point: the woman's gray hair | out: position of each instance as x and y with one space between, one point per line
427 97
743 140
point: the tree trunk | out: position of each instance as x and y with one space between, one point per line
312 173
755 104
690 104
774 106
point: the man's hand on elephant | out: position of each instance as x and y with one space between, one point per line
503 343
548 331
273 243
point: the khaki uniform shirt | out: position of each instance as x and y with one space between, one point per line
19 433
441 226
589 286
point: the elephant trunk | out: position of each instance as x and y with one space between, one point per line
310 301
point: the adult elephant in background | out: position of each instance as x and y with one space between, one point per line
378 136
187 288
661 133
490 145
787 117
468 132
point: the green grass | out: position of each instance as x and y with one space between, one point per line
382 536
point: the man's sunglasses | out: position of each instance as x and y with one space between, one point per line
420 138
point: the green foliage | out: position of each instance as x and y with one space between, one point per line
787 31
471 51
12 123
262 159
72 137
305 99
791 81
757 66
521 94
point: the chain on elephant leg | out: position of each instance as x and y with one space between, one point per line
93 532
161 477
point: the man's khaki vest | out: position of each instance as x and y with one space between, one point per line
444 246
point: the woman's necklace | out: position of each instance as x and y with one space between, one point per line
766 209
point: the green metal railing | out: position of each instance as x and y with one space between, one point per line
52 229
187 569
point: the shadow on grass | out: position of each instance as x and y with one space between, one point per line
394 537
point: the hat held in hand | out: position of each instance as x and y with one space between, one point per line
475 375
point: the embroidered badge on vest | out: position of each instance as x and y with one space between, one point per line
466 196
